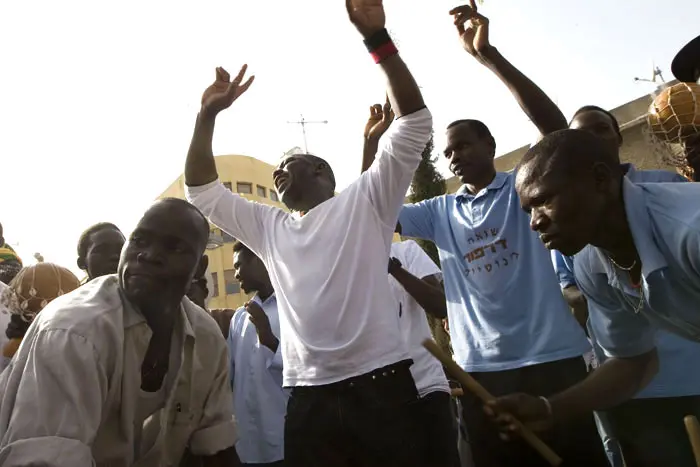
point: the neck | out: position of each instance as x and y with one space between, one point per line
311 200
160 317
613 234
265 292
479 183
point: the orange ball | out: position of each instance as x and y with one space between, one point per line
37 285
675 113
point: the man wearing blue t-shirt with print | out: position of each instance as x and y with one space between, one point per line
510 326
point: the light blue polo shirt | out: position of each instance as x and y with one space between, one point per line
665 222
503 299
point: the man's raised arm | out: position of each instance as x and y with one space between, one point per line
233 214
532 100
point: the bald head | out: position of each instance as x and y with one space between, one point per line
566 182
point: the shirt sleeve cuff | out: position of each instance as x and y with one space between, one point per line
196 190
47 451
208 441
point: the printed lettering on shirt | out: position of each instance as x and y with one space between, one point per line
495 252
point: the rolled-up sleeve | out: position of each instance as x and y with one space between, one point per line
54 392
418 220
216 430
242 219
391 173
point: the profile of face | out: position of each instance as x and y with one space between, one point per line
469 155
564 207
163 254
600 124
250 271
294 177
103 252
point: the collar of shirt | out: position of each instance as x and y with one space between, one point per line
640 225
271 300
133 317
496 184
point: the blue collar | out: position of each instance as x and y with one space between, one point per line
496 184
642 233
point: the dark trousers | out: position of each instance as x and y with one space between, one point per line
362 421
651 432
270 464
577 442
435 416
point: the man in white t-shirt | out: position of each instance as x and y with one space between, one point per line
414 280
342 350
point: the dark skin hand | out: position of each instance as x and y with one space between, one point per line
427 292
262 325
614 382
473 30
380 119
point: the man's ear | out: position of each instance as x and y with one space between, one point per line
202 267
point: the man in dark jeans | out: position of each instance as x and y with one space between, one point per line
344 357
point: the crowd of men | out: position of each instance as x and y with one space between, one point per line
571 254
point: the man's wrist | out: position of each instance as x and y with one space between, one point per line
487 55
269 340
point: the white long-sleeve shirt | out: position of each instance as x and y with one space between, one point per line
71 394
329 267
259 400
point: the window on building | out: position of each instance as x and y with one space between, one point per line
232 285
228 186
244 187
227 238
273 195
262 191
215 284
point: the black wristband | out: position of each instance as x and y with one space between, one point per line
377 40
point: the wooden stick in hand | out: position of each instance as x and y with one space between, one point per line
479 391
693 428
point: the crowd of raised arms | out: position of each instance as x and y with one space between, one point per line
571 286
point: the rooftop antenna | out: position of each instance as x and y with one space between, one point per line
303 122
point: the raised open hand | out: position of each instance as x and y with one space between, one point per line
221 94
380 119
473 29
367 15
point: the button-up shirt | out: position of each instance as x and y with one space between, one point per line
503 299
259 401
665 223
70 396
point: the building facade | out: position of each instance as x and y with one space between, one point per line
252 179
635 147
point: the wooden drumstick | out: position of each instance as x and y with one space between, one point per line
479 391
693 428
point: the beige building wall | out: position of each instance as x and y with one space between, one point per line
253 180
635 150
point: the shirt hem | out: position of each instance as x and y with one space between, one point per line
486 367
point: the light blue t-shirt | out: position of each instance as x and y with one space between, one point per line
665 222
503 299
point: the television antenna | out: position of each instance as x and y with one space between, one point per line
303 122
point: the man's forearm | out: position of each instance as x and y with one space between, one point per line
532 100
404 93
614 382
430 297
200 167
369 152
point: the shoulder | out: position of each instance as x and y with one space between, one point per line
655 176
673 205
587 264
94 310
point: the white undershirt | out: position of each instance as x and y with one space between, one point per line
329 267
426 370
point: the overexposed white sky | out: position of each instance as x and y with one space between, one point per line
98 98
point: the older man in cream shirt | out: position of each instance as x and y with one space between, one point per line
125 371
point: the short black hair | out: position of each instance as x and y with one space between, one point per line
568 152
240 246
315 160
84 240
204 220
595 108
477 126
